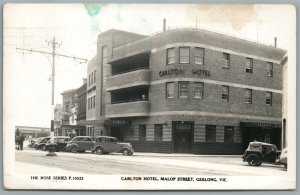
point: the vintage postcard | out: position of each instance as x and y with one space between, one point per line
149 96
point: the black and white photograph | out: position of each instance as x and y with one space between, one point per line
149 96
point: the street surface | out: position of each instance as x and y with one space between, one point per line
142 164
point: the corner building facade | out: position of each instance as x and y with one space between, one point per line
186 91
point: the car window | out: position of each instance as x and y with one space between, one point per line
88 139
75 139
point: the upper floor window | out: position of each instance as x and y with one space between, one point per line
92 78
199 55
199 90
95 76
225 93
184 55
226 58
89 79
183 89
248 96
170 90
269 98
170 56
158 132
270 69
249 65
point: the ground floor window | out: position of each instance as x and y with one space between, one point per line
90 131
142 132
228 133
158 132
210 133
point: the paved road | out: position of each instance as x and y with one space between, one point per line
146 164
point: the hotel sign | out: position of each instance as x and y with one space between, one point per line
264 125
116 122
180 71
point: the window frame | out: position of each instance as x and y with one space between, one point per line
251 93
158 132
179 91
200 57
167 84
227 93
180 56
270 98
201 92
231 138
213 136
226 60
249 67
142 128
168 57
270 67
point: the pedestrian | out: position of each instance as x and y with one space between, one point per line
21 140
17 142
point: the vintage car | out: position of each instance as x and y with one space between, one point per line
260 152
80 144
41 142
31 142
60 143
283 157
106 144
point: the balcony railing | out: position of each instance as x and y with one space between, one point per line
127 109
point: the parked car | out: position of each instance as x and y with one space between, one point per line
106 144
283 157
80 144
41 143
60 143
260 152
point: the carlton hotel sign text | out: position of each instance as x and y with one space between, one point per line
177 71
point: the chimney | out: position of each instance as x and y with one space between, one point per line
275 41
164 26
84 81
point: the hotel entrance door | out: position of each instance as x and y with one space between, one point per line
182 136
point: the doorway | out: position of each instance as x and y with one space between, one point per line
182 136
117 131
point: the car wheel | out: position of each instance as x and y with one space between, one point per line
74 149
36 147
99 151
285 165
126 152
253 160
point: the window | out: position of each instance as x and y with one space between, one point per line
248 96
88 103
210 133
199 55
158 132
249 65
228 133
89 79
183 89
170 90
142 132
67 107
170 56
94 76
270 69
225 93
94 101
184 55
199 90
226 59
269 98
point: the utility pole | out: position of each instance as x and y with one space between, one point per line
53 54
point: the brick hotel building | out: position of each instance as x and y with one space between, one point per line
184 91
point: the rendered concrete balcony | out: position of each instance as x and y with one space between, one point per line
129 79
127 109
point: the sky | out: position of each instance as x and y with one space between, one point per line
26 85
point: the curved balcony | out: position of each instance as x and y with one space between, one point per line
129 79
127 109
